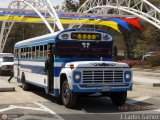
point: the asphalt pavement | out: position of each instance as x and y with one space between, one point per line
5 86
37 105
147 76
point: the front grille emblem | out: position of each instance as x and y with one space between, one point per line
104 64
86 45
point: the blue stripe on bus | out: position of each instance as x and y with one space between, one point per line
64 59
34 69
80 59
40 69
118 89
57 71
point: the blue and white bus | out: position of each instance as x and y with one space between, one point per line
82 65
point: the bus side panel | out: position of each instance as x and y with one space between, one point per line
57 70
16 70
34 72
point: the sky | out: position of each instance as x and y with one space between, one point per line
5 3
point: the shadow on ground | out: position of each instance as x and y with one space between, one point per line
97 105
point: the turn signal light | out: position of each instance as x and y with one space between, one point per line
84 36
79 36
93 37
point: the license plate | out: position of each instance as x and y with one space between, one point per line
106 88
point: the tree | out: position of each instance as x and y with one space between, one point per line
130 40
71 5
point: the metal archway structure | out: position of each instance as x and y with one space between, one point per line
140 8
37 6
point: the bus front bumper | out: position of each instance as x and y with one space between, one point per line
101 88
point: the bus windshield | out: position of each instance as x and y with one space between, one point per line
83 49
7 59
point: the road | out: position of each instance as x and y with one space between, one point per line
143 103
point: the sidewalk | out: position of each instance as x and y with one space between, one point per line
5 86
147 76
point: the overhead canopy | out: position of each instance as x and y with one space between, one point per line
67 18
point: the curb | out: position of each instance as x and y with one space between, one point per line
150 84
143 73
148 75
7 89
156 84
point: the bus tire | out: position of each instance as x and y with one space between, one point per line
25 85
69 98
118 98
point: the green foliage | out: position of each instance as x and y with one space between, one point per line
130 39
71 5
139 49
154 61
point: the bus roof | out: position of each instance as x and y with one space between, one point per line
49 38
44 39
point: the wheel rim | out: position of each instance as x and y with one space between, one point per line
66 93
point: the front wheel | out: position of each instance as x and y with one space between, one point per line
69 98
118 98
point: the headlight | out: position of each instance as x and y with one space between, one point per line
107 37
128 76
77 76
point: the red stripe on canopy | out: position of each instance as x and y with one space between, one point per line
134 22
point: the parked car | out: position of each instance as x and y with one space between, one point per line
6 63
147 55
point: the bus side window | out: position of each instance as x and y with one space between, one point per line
19 53
22 53
33 52
41 52
45 51
16 53
37 51
29 52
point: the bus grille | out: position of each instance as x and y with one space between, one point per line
105 76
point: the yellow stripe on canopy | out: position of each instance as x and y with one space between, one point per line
111 24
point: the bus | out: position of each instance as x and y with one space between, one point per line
82 65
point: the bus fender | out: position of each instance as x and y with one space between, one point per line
68 72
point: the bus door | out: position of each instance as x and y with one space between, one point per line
50 72
17 66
